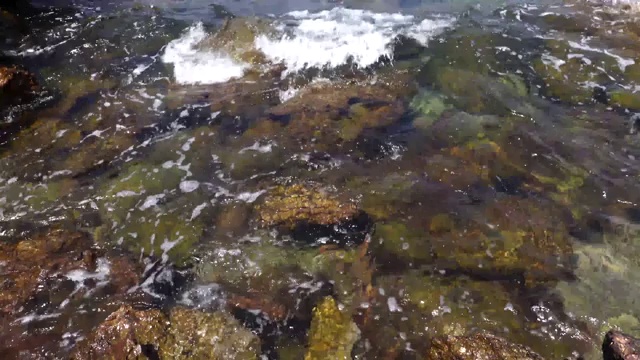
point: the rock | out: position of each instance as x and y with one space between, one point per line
625 99
17 86
147 213
125 334
620 346
429 106
479 346
184 334
332 334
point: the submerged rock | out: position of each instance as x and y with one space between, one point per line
325 114
46 279
479 346
526 237
184 334
620 346
44 256
332 334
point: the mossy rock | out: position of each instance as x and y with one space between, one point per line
464 48
479 346
304 203
478 93
569 78
36 197
347 270
199 335
383 198
632 72
92 153
332 333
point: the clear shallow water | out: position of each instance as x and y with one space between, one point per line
495 183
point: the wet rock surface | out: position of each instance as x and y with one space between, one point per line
481 346
620 346
183 334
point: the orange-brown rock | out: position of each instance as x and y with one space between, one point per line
16 86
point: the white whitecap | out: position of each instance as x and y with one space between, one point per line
332 37
188 186
192 65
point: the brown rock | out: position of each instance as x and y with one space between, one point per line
125 334
478 346
620 346
129 334
16 86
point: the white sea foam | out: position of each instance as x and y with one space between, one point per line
199 66
332 37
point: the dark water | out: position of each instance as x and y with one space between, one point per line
439 168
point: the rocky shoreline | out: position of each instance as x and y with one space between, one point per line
430 207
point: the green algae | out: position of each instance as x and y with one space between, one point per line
166 235
625 99
134 183
429 107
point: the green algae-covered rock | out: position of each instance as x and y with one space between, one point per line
168 235
184 334
479 346
133 185
332 334
145 211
